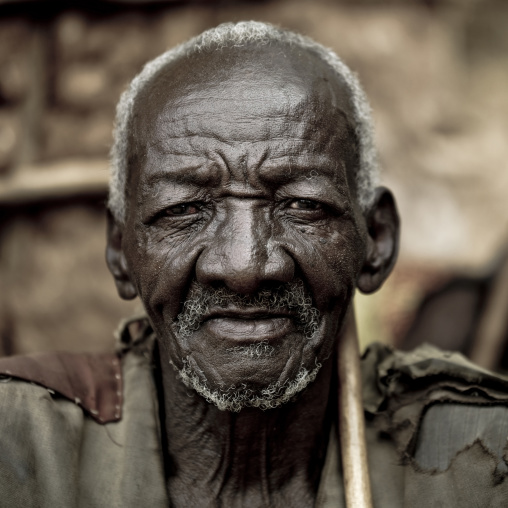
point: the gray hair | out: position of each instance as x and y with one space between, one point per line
233 35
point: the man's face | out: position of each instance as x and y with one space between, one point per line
243 236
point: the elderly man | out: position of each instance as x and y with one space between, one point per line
244 214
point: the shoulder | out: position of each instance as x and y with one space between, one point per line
91 381
71 425
447 419
390 374
47 404
94 382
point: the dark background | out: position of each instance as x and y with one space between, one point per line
435 71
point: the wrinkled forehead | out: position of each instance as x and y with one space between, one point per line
263 75
245 94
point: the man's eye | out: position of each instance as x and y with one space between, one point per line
183 209
305 204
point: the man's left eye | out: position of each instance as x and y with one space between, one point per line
305 204
183 209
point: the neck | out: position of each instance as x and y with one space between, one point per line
253 458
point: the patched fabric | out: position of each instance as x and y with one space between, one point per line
54 455
93 381
436 410
448 429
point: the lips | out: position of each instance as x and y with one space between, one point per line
248 325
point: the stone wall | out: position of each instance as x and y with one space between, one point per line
436 73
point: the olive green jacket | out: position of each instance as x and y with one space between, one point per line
83 431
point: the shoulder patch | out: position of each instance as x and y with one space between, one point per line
447 429
408 385
93 381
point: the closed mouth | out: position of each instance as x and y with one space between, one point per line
249 325
246 314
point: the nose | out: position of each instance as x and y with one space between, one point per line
243 255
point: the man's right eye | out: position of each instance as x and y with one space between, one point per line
305 204
182 209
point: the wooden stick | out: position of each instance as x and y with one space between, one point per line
488 342
351 419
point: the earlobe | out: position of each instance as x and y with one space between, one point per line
116 261
382 242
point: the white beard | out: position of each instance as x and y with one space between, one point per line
236 398
292 296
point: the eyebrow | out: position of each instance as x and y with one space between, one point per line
277 174
284 171
193 174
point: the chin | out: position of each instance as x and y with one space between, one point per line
233 376
235 397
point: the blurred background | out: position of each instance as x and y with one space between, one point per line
436 72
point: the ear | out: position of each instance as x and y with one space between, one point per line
382 241
116 261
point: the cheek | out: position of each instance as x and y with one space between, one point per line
162 267
329 259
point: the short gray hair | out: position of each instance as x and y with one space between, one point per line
233 35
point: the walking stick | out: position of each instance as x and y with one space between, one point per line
488 343
351 419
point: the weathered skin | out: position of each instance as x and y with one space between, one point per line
242 176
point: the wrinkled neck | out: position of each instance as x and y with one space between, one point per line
246 459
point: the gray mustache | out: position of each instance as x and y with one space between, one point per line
290 297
